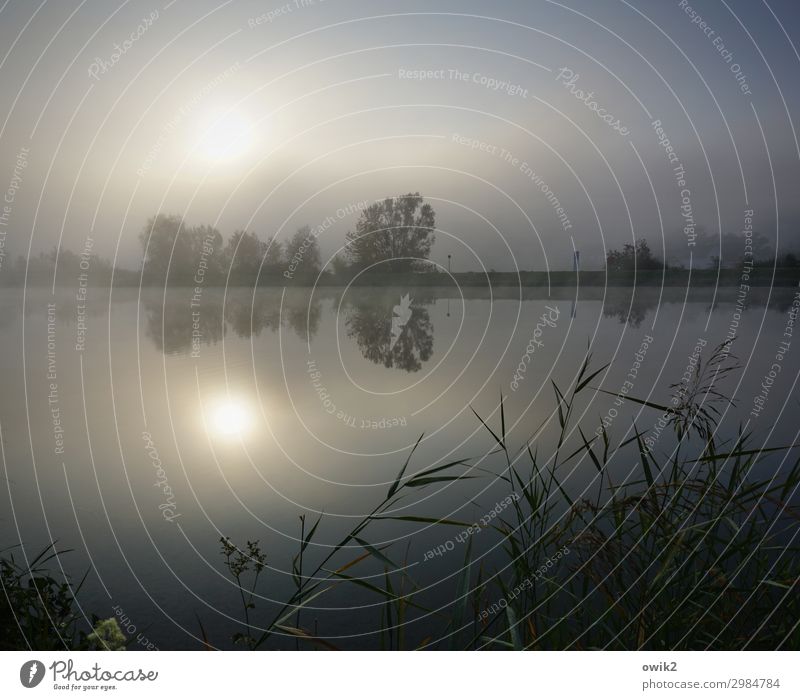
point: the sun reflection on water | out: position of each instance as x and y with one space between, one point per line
229 417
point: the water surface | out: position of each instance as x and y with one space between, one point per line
139 434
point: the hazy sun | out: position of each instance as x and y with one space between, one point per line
230 417
224 136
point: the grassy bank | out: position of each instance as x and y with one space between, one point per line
759 277
672 277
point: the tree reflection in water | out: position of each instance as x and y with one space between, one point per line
369 322
175 326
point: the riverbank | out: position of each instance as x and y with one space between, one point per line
757 277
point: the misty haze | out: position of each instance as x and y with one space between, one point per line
394 326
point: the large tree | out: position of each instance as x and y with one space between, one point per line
274 261
184 253
161 241
208 255
243 253
303 259
398 232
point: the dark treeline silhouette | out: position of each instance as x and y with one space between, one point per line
395 234
175 253
391 236
735 249
730 251
633 257
391 245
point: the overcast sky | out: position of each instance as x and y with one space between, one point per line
267 116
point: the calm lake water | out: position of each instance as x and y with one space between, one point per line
138 433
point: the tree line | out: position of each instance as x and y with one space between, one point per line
394 235
639 256
397 234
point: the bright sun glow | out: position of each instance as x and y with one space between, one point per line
230 418
224 136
